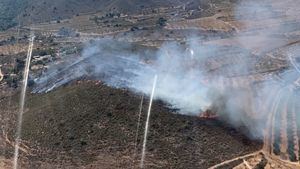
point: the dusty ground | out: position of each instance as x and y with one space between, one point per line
87 125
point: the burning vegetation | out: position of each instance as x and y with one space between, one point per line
182 85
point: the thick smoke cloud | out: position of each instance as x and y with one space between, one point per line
190 78
179 82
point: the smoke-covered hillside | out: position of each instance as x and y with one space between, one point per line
149 84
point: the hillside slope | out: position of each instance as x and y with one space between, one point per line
32 11
9 11
90 125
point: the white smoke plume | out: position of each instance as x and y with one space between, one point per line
179 82
196 77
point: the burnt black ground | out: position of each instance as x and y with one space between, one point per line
93 125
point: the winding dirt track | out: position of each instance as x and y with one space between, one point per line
235 159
